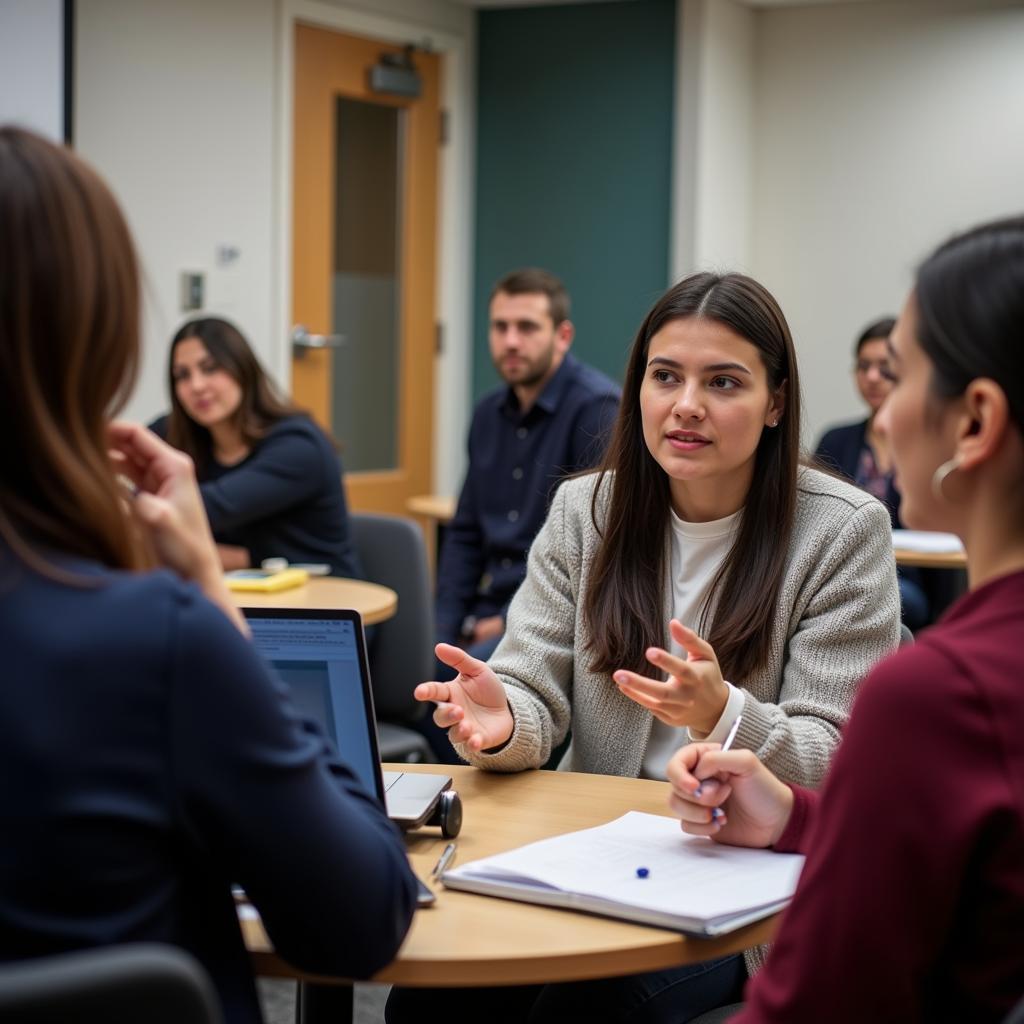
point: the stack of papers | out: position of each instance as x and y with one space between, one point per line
927 542
643 868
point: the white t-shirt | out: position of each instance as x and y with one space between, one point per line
698 550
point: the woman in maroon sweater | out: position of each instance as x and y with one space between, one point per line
911 904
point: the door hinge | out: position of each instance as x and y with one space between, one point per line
444 128
439 338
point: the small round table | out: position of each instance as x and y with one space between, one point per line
373 602
439 507
467 939
437 511
931 559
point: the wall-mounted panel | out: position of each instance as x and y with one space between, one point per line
574 130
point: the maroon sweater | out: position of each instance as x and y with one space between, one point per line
911 903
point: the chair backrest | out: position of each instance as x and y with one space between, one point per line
401 651
1016 1014
130 984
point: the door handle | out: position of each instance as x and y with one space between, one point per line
302 339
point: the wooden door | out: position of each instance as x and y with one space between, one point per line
363 261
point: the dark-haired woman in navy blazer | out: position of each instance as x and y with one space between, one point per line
861 453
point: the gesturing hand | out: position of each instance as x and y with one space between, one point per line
167 503
169 509
695 694
728 795
473 706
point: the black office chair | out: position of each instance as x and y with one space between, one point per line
142 983
1016 1014
402 649
718 1015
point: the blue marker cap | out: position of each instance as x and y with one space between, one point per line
642 872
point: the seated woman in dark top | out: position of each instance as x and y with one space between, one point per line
150 758
861 452
270 478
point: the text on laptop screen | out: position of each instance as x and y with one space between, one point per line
319 661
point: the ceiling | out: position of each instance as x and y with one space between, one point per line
749 3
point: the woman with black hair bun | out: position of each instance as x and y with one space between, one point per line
860 451
910 906
271 479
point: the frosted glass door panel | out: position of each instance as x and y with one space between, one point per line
366 286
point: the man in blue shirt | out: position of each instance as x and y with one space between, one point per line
552 418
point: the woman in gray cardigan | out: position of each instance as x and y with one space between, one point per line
702 514
776 582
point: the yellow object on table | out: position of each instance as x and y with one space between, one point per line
265 582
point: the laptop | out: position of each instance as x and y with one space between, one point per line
321 655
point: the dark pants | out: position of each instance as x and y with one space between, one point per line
913 602
674 996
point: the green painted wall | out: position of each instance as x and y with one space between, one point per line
574 163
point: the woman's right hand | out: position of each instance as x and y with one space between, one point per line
472 706
728 795
169 509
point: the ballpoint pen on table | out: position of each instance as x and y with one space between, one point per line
443 861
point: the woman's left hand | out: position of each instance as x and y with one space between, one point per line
694 695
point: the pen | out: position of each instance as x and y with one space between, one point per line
730 736
444 860
732 733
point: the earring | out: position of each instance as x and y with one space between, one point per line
940 474
774 423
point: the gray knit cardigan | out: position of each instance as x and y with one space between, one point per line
838 613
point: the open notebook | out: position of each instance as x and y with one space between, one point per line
640 867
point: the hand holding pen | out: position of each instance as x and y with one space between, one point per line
752 805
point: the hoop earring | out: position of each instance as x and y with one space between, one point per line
940 475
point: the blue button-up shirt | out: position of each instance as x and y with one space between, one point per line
515 462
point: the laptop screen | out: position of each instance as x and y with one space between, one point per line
321 655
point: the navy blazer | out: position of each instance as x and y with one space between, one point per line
840 448
516 460
285 499
150 759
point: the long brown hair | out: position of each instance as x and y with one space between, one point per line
261 406
69 350
624 611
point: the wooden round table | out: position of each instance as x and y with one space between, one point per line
466 939
436 511
373 602
439 507
931 559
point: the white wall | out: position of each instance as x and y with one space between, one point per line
433 15
174 105
714 137
32 65
879 130
178 105
825 148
